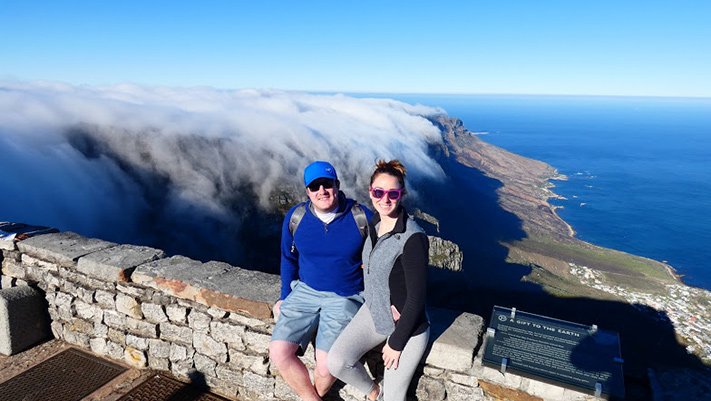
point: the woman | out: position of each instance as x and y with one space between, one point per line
395 259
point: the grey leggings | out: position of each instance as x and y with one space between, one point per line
360 337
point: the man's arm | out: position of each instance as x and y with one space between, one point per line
289 260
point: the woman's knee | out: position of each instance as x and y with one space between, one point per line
335 363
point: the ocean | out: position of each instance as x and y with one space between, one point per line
639 169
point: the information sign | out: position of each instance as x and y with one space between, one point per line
573 355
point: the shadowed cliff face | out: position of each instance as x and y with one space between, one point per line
471 217
231 227
522 183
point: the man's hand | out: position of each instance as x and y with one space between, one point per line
390 357
276 309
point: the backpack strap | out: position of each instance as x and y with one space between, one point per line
294 221
356 211
360 218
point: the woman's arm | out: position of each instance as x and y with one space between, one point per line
414 259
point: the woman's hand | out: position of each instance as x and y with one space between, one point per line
390 357
395 312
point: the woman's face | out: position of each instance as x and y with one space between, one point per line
387 186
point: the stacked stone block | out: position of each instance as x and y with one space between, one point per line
23 319
209 322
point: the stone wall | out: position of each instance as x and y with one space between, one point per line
212 322
201 321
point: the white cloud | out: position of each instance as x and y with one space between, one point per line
201 145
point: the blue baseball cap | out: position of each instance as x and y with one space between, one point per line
319 169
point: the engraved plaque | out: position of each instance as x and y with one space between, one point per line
572 355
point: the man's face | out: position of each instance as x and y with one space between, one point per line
323 193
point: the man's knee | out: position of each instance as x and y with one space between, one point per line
323 369
281 352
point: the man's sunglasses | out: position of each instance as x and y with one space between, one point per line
323 182
393 194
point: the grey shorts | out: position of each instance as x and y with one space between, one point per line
306 312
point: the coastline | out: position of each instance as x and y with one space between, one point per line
674 274
571 230
671 271
683 303
572 233
557 177
552 251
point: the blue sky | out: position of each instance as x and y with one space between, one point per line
647 48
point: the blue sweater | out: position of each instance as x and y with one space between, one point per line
327 256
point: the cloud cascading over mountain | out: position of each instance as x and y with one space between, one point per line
186 169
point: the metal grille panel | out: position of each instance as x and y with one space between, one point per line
163 388
68 376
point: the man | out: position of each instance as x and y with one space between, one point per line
321 279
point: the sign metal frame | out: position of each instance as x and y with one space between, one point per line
572 355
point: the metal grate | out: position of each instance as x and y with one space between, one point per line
68 376
163 388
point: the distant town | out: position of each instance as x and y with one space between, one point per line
688 308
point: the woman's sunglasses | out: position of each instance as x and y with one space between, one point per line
393 194
323 182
